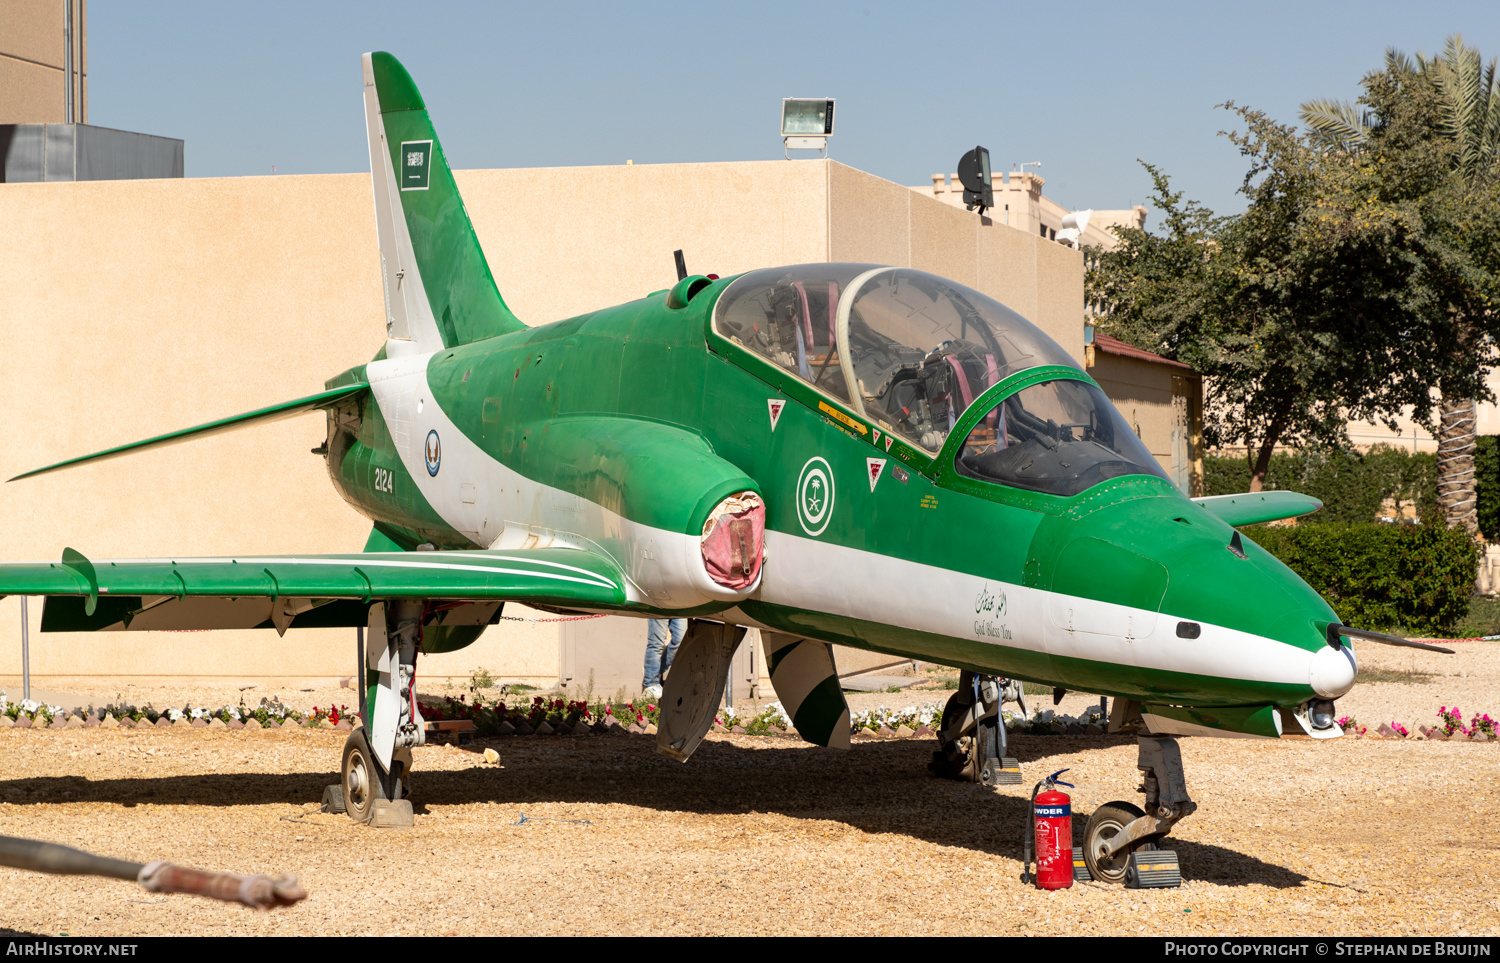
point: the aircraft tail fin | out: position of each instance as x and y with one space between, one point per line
438 288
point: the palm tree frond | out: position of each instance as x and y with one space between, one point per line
1472 107
1336 123
1401 65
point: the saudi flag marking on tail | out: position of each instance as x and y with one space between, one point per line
415 158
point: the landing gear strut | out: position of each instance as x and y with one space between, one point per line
375 776
971 737
1117 830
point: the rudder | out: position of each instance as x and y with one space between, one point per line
439 291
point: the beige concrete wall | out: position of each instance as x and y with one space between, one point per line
562 241
869 219
138 307
32 88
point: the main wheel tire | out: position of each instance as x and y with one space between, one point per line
361 777
958 759
1107 822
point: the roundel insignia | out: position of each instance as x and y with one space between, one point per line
433 452
815 496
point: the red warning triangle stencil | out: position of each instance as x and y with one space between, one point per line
775 404
875 466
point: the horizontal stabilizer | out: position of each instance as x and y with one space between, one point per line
282 591
1257 507
287 409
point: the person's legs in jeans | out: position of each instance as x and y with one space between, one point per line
656 644
678 629
662 638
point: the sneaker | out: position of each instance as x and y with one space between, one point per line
652 692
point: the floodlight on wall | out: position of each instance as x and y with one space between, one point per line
974 174
806 124
1073 226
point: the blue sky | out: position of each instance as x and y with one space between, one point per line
1085 88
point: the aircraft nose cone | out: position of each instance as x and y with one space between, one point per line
1332 671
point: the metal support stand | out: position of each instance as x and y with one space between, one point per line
360 672
25 652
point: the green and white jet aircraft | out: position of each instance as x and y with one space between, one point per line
831 453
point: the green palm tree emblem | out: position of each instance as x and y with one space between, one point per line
815 494
814 497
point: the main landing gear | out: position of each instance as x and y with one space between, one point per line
971 737
375 783
1119 835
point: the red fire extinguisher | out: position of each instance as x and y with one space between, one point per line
1051 831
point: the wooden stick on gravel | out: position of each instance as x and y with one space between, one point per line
260 892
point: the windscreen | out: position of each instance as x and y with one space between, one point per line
1059 437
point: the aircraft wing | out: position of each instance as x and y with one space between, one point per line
1256 507
305 591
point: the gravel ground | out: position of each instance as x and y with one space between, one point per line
764 834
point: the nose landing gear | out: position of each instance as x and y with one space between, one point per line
971 736
1118 831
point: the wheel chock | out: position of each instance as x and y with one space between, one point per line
1001 772
333 799
1153 869
1081 872
392 814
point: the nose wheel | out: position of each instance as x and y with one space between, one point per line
1118 831
1104 826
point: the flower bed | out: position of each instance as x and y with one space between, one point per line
269 711
501 718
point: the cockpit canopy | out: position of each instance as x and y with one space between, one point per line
911 351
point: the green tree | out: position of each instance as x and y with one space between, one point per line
1295 310
1424 138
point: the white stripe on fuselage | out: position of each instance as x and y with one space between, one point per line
806 573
